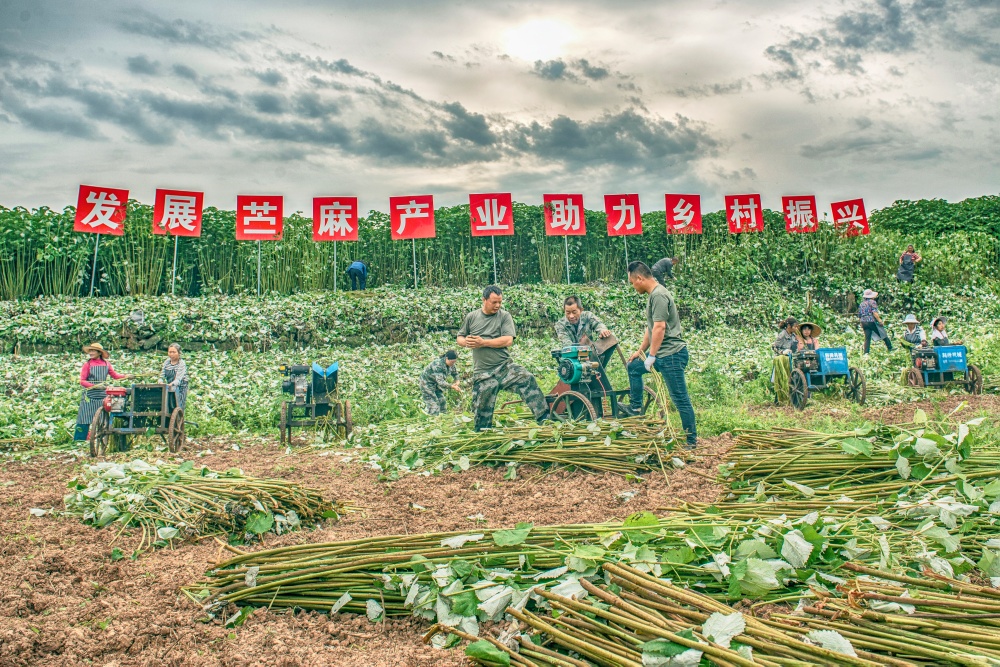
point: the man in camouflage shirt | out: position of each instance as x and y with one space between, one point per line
488 332
439 376
579 325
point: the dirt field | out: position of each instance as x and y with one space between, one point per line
63 602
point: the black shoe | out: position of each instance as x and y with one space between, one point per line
628 410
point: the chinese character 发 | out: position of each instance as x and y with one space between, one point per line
800 214
627 211
683 214
179 211
411 210
335 219
491 216
741 212
105 205
565 214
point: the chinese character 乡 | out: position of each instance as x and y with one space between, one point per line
800 214
411 210
334 219
491 216
743 212
259 213
105 205
627 211
683 214
565 214
850 215
178 211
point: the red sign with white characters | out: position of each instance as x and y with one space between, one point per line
491 214
101 210
800 214
177 212
683 214
412 217
623 215
744 213
564 215
335 219
259 217
849 217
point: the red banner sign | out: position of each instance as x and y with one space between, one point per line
177 212
335 219
564 215
800 214
259 217
412 217
744 213
683 214
492 214
623 215
849 217
101 210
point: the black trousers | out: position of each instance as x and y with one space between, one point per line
357 277
872 329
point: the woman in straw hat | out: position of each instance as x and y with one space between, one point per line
871 321
95 371
808 335
939 334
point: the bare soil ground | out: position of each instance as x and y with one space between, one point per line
64 602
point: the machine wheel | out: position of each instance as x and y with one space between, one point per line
914 378
974 380
100 433
283 424
572 406
650 400
176 438
798 389
857 388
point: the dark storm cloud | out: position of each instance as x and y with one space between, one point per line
875 142
553 70
271 77
180 31
714 89
143 65
268 103
469 126
185 72
579 70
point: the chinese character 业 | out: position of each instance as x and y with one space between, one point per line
491 216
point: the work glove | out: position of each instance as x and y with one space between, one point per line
648 363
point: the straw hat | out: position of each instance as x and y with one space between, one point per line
911 319
869 294
97 347
817 329
937 319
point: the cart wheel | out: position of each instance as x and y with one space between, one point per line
650 399
914 378
100 434
283 424
348 424
175 431
974 380
572 406
798 389
857 388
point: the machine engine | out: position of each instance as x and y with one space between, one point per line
575 365
308 384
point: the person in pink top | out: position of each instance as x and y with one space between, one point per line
96 370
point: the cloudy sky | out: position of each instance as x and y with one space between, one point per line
884 99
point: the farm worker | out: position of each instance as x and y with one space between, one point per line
488 331
439 376
807 334
664 269
871 320
664 348
786 342
95 371
914 334
939 336
175 375
358 273
907 264
580 327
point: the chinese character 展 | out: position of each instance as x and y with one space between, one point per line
741 212
105 205
800 214
491 215
411 210
179 211
683 214
850 215
626 211
259 213
565 214
334 219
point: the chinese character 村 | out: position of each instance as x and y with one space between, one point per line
626 211
335 219
259 214
565 214
683 214
743 212
179 211
491 216
411 210
800 214
105 205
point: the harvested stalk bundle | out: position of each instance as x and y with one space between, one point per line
624 446
171 502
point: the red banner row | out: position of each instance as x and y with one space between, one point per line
260 217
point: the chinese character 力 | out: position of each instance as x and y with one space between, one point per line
627 211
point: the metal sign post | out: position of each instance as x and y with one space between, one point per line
626 256
93 265
414 241
566 244
173 280
496 279
335 266
258 268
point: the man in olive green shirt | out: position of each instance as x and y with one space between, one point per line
488 332
665 350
